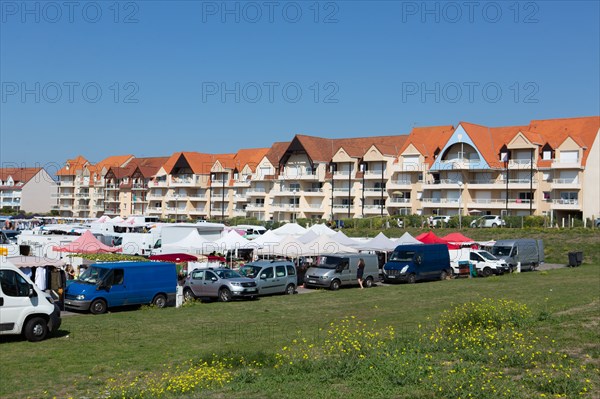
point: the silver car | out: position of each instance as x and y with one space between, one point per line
272 277
221 283
488 221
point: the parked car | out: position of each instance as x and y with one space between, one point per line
105 285
24 308
410 263
484 262
334 270
439 221
597 223
221 283
526 251
488 221
272 277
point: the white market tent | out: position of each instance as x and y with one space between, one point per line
231 241
321 229
267 239
309 236
343 239
289 246
407 239
324 244
192 243
290 229
379 243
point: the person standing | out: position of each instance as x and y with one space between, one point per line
360 270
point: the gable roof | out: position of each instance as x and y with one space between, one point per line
72 166
250 157
276 152
199 163
582 130
427 139
19 175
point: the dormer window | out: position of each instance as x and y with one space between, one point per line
547 155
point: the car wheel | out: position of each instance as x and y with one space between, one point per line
335 285
494 224
443 275
160 301
224 295
368 283
188 295
411 279
36 329
290 289
486 272
98 306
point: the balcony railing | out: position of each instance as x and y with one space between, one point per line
440 200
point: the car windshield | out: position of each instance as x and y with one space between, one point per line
250 271
402 256
94 275
487 255
501 250
329 262
225 274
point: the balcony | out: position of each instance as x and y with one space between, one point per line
439 202
158 183
375 175
517 203
283 207
241 183
239 212
521 164
256 192
111 187
83 195
485 184
66 183
196 197
557 164
139 186
459 164
183 181
375 209
409 167
401 202
375 192
240 198
154 209
565 184
565 204
441 184
342 192
255 207
312 192
399 184
197 211
487 203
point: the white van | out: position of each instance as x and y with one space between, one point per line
334 270
24 308
485 263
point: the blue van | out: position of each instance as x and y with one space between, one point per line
105 285
410 263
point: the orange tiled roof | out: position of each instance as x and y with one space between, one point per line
250 157
115 160
19 175
276 152
227 161
199 163
582 130
490 140
72 166
427 139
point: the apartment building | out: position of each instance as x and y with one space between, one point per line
545 167
27 189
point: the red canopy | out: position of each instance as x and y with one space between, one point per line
86 244
431 238
177 258
456 237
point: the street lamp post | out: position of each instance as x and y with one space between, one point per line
460 183
362 169
294 207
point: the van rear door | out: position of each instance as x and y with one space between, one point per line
14 301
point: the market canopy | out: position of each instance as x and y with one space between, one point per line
193 242
309 236
290 229
231 241
33 261
457 238
267 239
344 239
430 238
289 246
379 243
177 258
407 239
86 244
321 229
326 245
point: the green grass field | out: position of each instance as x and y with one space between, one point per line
94 352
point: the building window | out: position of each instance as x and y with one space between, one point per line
547 155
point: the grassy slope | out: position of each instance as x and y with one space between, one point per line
98 347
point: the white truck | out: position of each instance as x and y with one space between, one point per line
24 308
484 262
171 237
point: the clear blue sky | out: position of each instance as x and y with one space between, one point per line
195 76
